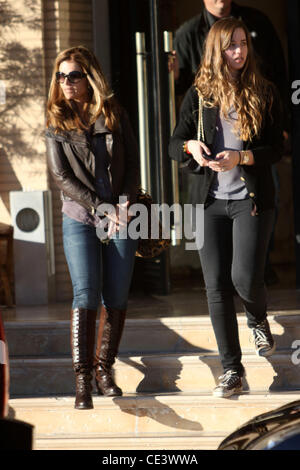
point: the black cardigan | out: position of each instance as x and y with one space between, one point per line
267 149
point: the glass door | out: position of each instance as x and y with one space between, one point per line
140 45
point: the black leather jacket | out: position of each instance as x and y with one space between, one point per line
71 162
267 149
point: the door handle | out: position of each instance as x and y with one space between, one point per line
143 110
168 48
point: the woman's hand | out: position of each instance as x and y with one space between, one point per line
225 160
119 219
196 148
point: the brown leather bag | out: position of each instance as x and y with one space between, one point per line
149 247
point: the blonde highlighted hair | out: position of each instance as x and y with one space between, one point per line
62 114
249 93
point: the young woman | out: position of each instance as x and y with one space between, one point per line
241 139
93 158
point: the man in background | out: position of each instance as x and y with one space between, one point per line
190 37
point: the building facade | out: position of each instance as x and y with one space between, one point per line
33 32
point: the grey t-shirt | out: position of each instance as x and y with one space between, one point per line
227 184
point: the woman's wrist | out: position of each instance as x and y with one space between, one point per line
245 157
185 147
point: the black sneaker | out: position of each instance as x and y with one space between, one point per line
230 383
263 339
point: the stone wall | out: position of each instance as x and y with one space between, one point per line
67 23
22 103
22 148
32 32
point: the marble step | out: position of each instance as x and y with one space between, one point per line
179 414
168 334
195 441
31 376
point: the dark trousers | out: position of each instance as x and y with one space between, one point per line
233 259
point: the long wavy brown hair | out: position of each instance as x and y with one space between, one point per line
248 93
62 114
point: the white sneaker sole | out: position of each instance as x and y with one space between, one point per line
229 393
268 353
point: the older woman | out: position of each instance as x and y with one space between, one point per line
93 158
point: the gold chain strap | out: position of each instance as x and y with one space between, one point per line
200 133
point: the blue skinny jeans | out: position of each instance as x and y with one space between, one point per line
99 272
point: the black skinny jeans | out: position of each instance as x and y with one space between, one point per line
233 258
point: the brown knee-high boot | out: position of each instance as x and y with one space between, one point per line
109 336
83 326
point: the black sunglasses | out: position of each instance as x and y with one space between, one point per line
73 77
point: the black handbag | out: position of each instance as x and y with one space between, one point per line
190 165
